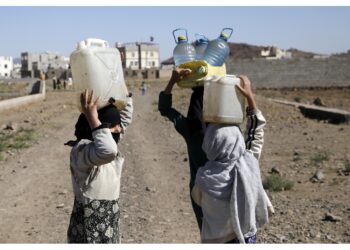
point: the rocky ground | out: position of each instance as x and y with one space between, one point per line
36 196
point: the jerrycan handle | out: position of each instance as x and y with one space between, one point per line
94 42
176 41
230 32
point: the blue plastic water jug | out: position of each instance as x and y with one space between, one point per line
218 49
183 51
200 45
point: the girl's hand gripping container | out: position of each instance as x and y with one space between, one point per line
97 67
222 102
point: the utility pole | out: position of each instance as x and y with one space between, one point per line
139 51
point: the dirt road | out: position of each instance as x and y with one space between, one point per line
36 196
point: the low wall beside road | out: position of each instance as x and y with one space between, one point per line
289 73
38 93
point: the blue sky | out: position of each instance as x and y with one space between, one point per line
36 29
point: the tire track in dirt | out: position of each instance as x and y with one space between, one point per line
155 194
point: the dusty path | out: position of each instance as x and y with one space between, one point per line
36 180
36 196
155 193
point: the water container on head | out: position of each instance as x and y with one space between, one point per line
200 45
222 102
218 49
199 70
183 51
98 67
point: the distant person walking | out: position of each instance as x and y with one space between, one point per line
143 87
59 83
70 82
54 82
96 164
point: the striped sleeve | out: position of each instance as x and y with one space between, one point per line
254 133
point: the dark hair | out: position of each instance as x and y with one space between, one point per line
107 115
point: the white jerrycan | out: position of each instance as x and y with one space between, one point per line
97 67
222 102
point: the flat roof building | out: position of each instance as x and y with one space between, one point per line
139 55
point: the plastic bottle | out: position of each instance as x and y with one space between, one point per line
222 103
183 51
97 67
200 45
218 49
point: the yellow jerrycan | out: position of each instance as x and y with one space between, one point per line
200 69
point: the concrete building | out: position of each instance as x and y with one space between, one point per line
139 55
6 66
274 52
16 72
34 63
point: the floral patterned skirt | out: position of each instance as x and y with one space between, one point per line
97 221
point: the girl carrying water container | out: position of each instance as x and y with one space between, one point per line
228 187
96 165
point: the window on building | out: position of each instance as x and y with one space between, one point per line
151 54
136 63
133 54
131 63
153 64
5 66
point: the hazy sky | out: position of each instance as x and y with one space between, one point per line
36 29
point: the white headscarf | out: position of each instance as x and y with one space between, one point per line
232 173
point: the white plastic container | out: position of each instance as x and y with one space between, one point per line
222 102
97 67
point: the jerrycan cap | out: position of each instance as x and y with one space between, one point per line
202 70
224 36
181 39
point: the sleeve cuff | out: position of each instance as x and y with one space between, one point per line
251 112
103 125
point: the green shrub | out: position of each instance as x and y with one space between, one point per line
276 183
347 167
19 140
296 158
320 157
297 99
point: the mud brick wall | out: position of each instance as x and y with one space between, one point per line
330 72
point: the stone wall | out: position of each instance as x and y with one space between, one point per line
38 94
329 72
